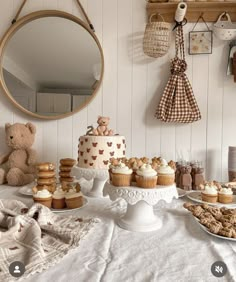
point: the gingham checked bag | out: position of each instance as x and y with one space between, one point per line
178 103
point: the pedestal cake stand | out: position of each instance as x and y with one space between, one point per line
140 216
99 176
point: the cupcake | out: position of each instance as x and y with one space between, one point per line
146 176
210 193
73 199
121 175
166 174
58 199
225 195
43 197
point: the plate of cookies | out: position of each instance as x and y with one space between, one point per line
219 222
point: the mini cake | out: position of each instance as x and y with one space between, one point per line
97 147
58 199
146 176
73 199
225 195
121 175
210 193
166 174
43 197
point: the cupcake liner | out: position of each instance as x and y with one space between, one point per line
58 203
121 179
165 179
225 199
44 201
110 174
146 182
133 176
74 203
209 198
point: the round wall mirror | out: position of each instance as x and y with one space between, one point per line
51 64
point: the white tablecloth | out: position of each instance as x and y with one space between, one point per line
181 251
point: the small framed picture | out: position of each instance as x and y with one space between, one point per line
200 42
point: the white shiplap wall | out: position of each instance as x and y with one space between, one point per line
131 89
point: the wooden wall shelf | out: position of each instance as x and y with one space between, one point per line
210 10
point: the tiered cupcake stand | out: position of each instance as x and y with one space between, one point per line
99 176
140 216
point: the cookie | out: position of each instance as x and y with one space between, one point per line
46 174
66 179
45 166
65 168
46 181
65 174
67 162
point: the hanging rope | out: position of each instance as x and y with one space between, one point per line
18 12
86 16
78 2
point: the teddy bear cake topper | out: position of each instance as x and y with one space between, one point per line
102 128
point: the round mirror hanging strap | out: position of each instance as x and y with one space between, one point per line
78 2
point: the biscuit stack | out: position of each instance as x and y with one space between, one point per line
46 177
65 170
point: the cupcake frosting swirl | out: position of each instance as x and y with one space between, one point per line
122 169
212 190
72 194
227 191
146 170
42 194
164 168
59 194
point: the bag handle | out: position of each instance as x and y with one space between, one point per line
156 14
219 20
179 43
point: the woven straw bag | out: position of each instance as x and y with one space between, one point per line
156 41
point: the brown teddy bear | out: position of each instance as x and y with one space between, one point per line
102 128
18 167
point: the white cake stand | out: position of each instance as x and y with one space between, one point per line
99 176
140 216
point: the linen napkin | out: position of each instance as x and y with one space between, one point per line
36 237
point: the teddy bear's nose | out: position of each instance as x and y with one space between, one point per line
11 137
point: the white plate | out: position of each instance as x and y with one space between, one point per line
196 197
85 202
215 235
181 192
27 189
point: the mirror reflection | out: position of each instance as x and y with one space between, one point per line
51 66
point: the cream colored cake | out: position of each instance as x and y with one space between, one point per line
95 151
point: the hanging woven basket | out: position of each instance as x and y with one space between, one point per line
156 41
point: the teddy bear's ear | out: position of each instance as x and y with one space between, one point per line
31 127
99 117
7 125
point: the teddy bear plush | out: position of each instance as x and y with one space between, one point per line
17 168
102 128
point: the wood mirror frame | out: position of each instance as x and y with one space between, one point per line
37 15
